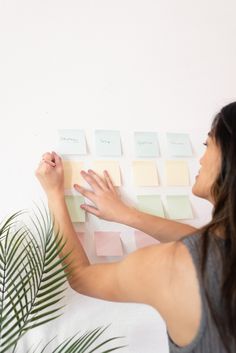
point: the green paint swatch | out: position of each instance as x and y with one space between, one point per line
73 205
179 145
146 144
151 204
179 207
72 142
108 143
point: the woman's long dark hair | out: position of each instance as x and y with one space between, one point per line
223 131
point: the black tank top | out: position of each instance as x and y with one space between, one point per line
207 339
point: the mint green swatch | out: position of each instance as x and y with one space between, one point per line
179 145
72 142
73 205
108 143
179 207
151 204
146 144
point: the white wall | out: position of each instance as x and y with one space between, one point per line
126 65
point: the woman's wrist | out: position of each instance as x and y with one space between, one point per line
55 196
130 216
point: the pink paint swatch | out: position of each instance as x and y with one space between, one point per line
142 239
108 244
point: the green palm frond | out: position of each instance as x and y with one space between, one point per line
32 284
9 223
86 343
32 276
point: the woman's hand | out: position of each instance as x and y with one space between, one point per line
50 174
108 204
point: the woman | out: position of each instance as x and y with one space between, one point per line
189 279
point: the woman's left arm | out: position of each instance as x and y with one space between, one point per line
51 176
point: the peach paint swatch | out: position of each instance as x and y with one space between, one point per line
177 173
72 174
145 173
112 167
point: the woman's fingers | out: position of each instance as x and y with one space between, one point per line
49 159
47 156
91 209
56 158
89 178
86 193
52 164
108 181
98 179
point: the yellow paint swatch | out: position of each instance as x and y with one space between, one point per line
177 173
112 167
145 173
72 174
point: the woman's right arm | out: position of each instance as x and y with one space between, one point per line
109 206
164 230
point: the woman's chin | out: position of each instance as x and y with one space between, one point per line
199 193
195 190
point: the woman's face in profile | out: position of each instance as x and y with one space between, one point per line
210 168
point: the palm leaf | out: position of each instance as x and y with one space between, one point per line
31 274
86 343
32 278
11 221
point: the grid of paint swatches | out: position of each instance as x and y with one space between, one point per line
72 142
145 173
72 174
179 145
73 203
108 143
112 167
146 144
179 207
177 173
151 204
142 239
108 244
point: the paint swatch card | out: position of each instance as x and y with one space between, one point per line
72 174
179 145
108 143
72 142
151 204
142 239
73 203
179 207
145 173
112 167
177 173
108 244
146 144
